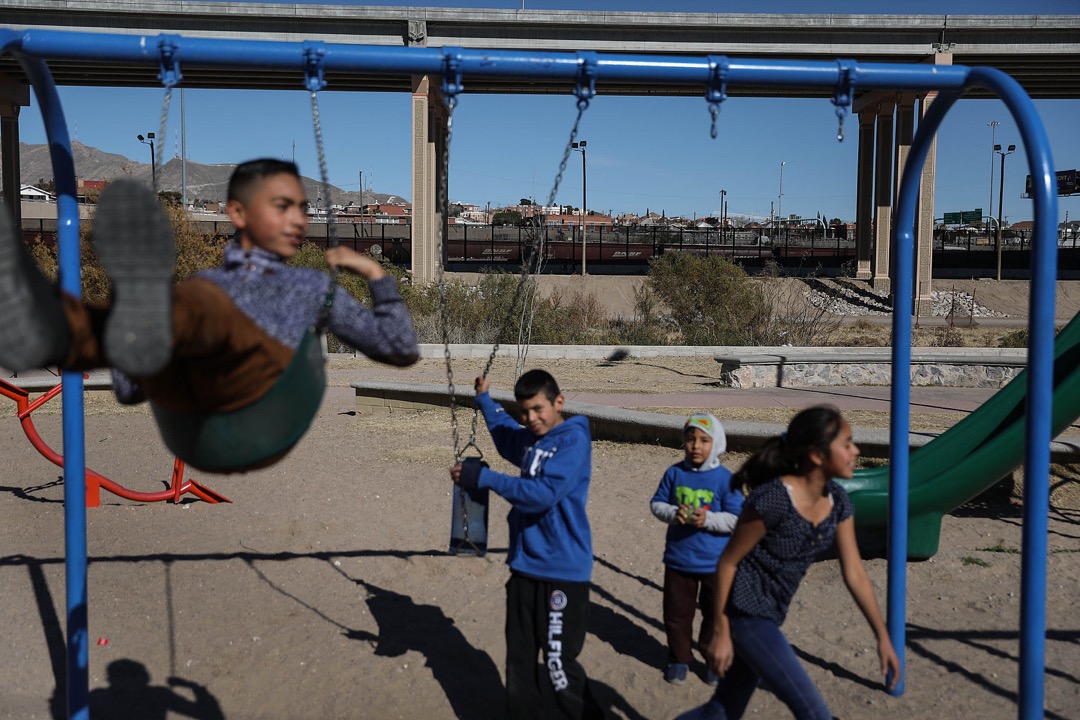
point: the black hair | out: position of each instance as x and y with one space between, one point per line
536 381
247 174
788 453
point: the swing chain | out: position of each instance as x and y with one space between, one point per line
314 54
452 81
170 76
586 80
716 88
844 94
525 290
452 85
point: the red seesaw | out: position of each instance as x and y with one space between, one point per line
95 481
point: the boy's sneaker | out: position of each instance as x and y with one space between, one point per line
676 673
33 330
711 678
134 242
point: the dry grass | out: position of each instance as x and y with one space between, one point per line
878 333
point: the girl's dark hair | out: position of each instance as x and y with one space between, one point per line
787 454
536 381
247 174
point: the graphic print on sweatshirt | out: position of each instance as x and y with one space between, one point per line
538 458
694 497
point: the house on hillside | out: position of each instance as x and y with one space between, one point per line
32 193
377 213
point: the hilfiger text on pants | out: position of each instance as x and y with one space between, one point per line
556 672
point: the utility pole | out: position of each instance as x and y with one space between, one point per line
1001 192
993 125
780 202
183 151
723 194
584 199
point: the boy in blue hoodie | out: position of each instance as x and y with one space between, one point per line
701 508
550 556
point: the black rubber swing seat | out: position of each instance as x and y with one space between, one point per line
249 437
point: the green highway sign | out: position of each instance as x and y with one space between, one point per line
965 216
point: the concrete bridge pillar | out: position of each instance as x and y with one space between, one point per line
428 147
924 256
905 132
13 97
864 199
883 194
924 219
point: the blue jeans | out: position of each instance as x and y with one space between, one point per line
762 653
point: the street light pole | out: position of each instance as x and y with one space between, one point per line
1001 195
149 140
723 194
993 125
780 202
580 146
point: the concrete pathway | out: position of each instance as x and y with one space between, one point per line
923 399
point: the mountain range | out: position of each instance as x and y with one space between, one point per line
204 182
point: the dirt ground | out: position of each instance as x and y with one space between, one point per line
324 590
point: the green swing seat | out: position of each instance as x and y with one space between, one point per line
251 436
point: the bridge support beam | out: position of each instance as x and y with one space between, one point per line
428 145
924 220
13 97
883 195
905 133
864 197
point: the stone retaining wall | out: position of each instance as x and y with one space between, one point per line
840 366
804 374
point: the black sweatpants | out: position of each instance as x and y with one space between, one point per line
551 617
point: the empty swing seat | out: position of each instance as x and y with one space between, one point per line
254 435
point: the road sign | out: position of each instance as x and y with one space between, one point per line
952 218
968 216
1068 183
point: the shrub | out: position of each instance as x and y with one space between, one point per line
946 336
1014 339
710 300
785 317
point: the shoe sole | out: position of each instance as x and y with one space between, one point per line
134 242
33 331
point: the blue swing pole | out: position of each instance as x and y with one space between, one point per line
900 393
1040 379
75 563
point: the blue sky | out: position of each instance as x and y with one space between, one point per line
650 153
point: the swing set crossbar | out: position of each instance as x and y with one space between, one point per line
585 71
480 64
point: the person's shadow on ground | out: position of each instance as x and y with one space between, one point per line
130 695
467 675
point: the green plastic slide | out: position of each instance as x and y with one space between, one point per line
969 457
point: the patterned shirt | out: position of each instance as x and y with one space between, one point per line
285 301
767 578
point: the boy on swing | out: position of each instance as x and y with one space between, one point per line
550 555
214 342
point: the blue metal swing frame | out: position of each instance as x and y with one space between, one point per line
714 74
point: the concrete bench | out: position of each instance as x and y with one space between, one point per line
835 366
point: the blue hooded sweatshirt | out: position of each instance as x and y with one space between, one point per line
689 549
550 537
